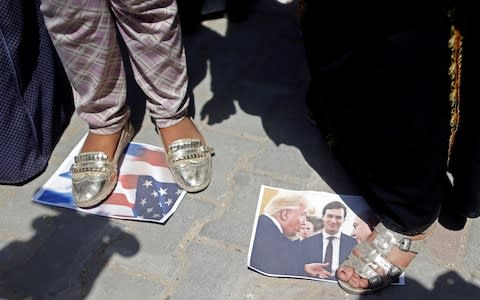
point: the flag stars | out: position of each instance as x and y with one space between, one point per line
162 191
155 199
147 183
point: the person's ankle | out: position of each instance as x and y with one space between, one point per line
101 143
185 129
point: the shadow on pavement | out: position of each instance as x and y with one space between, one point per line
446 287
63 258
259 66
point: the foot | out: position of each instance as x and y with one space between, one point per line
189 159
356 284
106 143
95 169
185 129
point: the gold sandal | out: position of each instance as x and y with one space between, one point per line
93 176
190 163
373 259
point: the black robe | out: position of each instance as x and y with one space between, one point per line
380 92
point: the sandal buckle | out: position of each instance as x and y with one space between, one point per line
404 244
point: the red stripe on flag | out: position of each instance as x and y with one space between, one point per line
118 199
128 181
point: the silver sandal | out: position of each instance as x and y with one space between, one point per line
190 163
93 176
373 258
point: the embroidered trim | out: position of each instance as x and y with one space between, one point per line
456 46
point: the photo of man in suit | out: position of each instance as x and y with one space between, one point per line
273 251
324 252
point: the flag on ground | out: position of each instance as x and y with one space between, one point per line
145 190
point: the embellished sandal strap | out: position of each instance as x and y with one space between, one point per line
90 156
91 162
184 149
375 260
363 268
184 144
386 239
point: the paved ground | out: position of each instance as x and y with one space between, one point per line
249 83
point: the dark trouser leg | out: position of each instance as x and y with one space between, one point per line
190 13
384 89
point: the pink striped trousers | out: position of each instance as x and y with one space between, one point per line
83 32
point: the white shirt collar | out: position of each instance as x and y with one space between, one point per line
275 221
336 235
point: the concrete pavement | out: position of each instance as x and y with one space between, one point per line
249 81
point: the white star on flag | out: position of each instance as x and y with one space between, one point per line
147 183
162 191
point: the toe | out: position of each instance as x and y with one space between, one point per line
344 273
361 282
347 274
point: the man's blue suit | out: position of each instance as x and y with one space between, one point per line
312 248
274 253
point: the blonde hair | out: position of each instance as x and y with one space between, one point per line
285 200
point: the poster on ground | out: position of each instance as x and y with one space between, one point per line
309 242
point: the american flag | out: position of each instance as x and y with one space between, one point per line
145 190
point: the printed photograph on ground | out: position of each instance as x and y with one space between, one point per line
146 190
307 234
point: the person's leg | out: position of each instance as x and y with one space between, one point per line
151 31
190 13
385 96
385 92
83 33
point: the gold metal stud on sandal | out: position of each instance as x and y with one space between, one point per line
190 163
93 176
